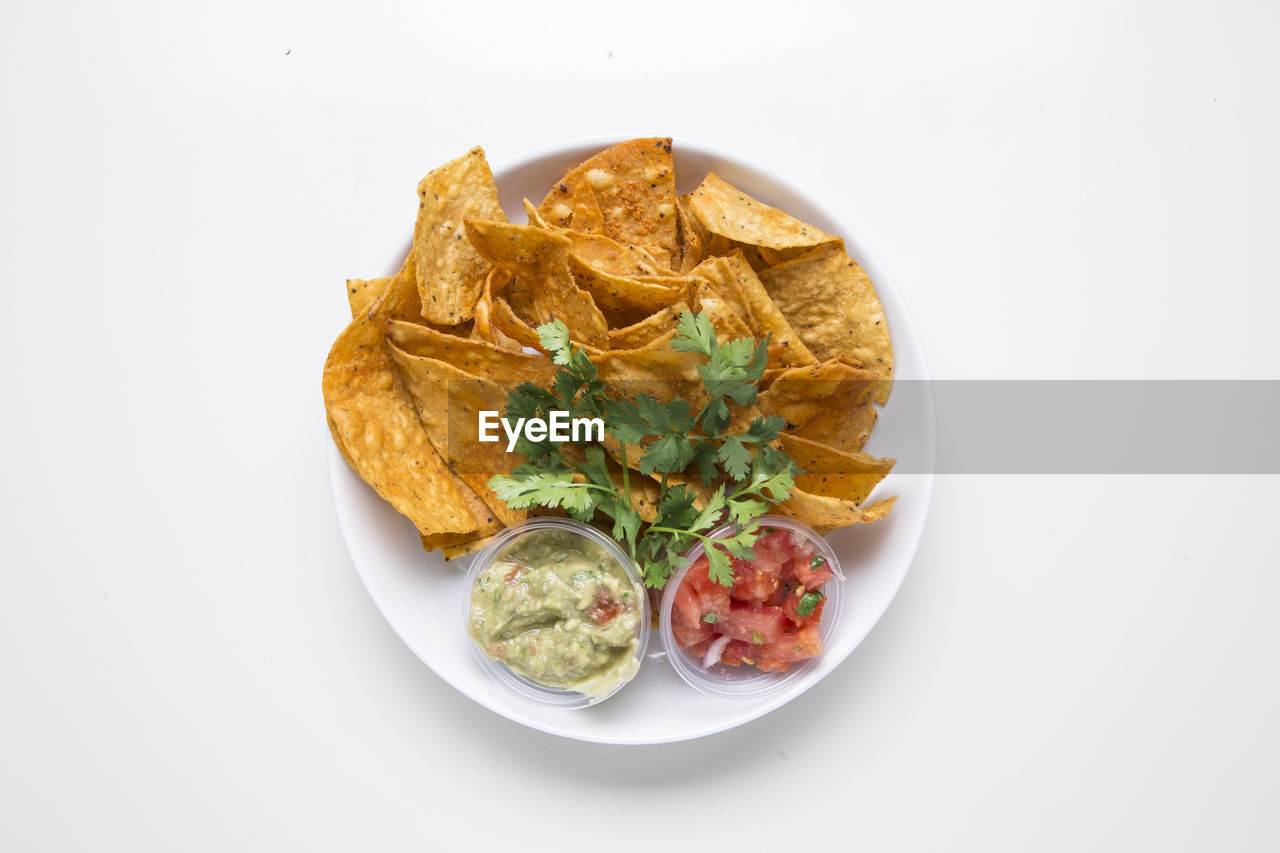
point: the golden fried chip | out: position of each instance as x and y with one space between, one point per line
727 211
718 246
693 237
627 299
572 204
453 552
831 472
655 369
544 289
373 414
449 271
504 319
399 299
534 217
654 326
733 275
634 186
478 358
825 514
450 541
828 402
363 292
605 253
725 312
833 307
449 401
484 329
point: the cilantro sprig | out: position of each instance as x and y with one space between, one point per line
741 473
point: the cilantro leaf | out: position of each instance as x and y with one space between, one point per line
761 430
807 603
742 510
735 457
624 421
718 567
675 508
668 455
554 337
705 456
528 486
694 333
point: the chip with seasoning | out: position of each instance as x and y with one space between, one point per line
449 271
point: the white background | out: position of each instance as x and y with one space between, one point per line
188 660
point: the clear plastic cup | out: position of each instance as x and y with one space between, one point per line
555 617
746 681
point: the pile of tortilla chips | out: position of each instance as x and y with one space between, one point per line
616 254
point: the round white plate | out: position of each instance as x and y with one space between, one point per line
421 596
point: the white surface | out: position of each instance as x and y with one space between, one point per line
420 595
188 659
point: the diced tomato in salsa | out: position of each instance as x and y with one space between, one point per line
773 548
759 612
792 602
753 623
699 576
690 634
734 652
813 576
752 582
804 643
686 606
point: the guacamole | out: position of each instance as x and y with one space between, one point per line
559 609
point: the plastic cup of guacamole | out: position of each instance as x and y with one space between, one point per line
557 612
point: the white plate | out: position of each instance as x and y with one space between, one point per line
421 596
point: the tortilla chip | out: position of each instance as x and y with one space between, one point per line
363 292
534 217
634 186
831 472
693 237
627 299
609 255
828 402
376 422
441 541
655 369
544 289
733 274
453 552
449 401
825 514
654 326
449 271
484 328
399 300
505 321
833 307
478 358
572 204
725 312
727 211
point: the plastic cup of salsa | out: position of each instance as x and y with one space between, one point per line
557 612
747 681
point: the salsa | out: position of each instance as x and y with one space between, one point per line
559 609
769 618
